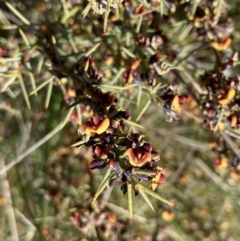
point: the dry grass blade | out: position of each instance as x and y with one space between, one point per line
8 206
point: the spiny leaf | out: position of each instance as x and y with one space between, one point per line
7 83
78 143
143 110
104 182
72 105
42 85
147 200
129 53
72 12
18 14
24 91
67 117
49 93
93 49
131 123
153 194
86 10
106 15
9 109
130 202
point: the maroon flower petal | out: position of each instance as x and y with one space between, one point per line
155 156
97 164
115 166
147 147
95 120
145 158
113 182
124 188
132 157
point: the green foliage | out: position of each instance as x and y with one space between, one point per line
147 90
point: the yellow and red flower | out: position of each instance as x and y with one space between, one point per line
96 125
138 156
158 179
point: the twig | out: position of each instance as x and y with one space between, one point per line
182 166
31 149
27 223
217 180
25 136
237 136
231 144
9 206
184 140
24 220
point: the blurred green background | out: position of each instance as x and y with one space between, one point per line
47 189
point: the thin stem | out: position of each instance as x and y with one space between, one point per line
143 110
31 149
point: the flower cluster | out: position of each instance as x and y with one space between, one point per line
206 20
130 157
165 95
172 102
226 158
220 104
